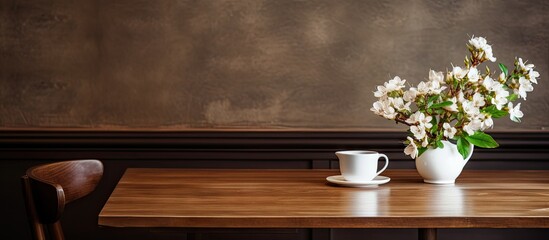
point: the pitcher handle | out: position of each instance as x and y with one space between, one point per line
386 163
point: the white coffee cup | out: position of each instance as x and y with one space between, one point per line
360 165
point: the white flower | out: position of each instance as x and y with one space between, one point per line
488 54
470 109
480 44
472 126
533 75
394 84
435 88
381 92
473 75
425 142
449 131
529 68
458 72
514 113
410 95
383 108
425 121
500 90
390 114
461 97
423 88
487 123
411 149
377 108
490 84
431 87
399 104
468 129
525 67
436 76
414 118
478 100
453 107
501 77
524 87
500 99
419 117
418 131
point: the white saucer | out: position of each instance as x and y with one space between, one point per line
339 180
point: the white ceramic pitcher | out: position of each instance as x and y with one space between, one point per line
442 165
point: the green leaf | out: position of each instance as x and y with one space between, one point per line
439 144
499 113
512 97
440 111
435 125
494 112
482 140
455 83
442 104
463 147
503 69
431 100
421 150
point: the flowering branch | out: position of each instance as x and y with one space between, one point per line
403 121
460 104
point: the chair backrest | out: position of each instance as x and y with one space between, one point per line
48 188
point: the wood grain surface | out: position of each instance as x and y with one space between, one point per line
149 197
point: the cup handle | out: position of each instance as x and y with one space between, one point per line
386 163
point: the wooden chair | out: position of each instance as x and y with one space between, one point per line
48 188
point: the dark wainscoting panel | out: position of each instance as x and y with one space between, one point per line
20 149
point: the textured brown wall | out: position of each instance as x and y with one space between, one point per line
244 63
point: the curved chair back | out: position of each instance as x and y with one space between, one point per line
48 188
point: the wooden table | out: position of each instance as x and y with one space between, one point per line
192 198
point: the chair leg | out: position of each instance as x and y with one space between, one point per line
56 231
37 229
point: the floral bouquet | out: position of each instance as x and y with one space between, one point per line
459 105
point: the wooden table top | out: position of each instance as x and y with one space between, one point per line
151 197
